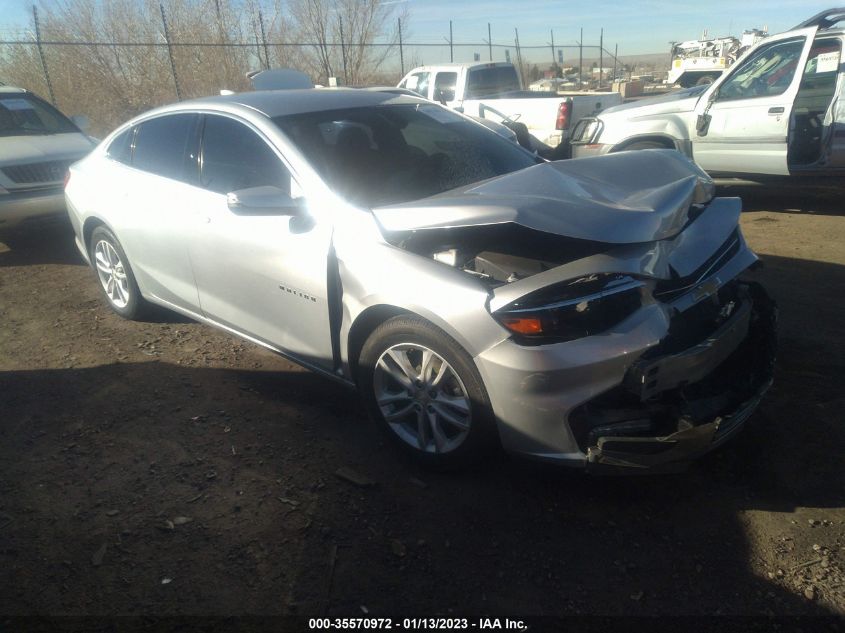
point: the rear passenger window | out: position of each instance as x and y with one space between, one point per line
234 157
444 86
163 146
121 147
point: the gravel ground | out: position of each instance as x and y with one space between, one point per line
167 468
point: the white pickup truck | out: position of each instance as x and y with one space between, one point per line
493 91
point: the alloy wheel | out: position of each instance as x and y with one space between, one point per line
112 274
422 398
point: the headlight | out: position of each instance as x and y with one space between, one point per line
573 309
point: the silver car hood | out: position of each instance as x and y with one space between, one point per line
624 198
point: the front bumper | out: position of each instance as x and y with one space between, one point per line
713 388
634 399
19 206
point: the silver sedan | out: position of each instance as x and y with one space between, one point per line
590 313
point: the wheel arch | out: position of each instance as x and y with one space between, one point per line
664 139
88 227
363 326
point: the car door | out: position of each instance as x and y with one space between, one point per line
264 276
742 123
155 202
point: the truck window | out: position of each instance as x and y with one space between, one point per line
486 81
444 86
767 73
418 82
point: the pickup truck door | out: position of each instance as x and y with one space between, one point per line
742 122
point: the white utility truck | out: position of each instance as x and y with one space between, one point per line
699 62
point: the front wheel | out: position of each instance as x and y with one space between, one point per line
423 389
116 278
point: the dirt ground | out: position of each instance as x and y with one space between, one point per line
167 468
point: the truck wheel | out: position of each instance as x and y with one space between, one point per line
705 81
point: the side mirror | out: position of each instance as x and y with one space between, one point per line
81 121
266 200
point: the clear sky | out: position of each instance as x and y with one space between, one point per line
637 26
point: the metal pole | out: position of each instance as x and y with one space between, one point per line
41 55
518 55
554 61
601 56
343 53
615 55
451 51
170 53
264 40
401 52
489 42
580 58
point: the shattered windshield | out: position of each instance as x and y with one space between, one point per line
22 114
389 154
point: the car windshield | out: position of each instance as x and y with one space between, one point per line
23 114
390 154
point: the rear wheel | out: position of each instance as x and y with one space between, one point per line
423 389
115 275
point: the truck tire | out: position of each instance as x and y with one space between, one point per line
706 80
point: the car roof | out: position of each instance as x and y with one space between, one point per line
457 65
273 103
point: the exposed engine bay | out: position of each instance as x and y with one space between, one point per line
498 253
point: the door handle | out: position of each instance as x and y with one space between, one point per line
777 110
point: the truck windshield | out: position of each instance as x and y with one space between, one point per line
486 81
23 114
388 154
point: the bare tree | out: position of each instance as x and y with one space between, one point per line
362 23
113 63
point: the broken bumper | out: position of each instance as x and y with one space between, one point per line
706 395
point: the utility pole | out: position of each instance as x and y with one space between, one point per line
44 60
343 53
580 58
401 52
601 56
552 33
489 42
615 59
451 50
170 54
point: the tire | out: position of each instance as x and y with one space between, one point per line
436 411
705 81
117 282
643 145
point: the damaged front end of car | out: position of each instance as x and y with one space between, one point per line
635 344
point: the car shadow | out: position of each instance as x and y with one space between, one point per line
48 242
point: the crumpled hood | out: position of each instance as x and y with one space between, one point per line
677 101
17 150
621 198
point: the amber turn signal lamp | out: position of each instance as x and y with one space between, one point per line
519 325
